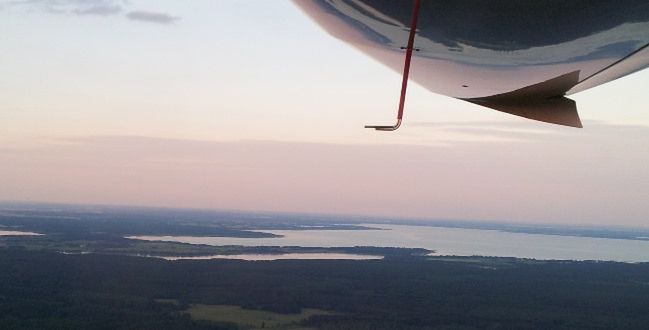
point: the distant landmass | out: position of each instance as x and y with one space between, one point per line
224 223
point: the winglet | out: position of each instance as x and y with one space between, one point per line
544 101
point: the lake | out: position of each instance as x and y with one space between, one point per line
284 256
445 241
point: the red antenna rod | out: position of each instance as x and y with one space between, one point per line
406 69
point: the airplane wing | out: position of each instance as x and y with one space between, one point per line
519 57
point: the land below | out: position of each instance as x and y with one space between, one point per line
82 273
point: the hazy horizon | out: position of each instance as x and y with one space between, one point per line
24 205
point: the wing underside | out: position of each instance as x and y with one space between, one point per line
519 57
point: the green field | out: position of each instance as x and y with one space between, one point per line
252 319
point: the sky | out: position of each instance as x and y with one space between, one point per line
249 105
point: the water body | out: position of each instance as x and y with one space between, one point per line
446 241
285 256
17 233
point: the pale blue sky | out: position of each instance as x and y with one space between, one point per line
156 103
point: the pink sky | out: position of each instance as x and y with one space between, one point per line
595 176
175 108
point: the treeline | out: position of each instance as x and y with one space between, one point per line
76 222
50 290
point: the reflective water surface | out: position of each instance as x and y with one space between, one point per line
446 241
285 256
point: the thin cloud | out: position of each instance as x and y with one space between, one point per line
99 11
152 17
79 7
99 8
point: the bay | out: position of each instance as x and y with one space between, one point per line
445 241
